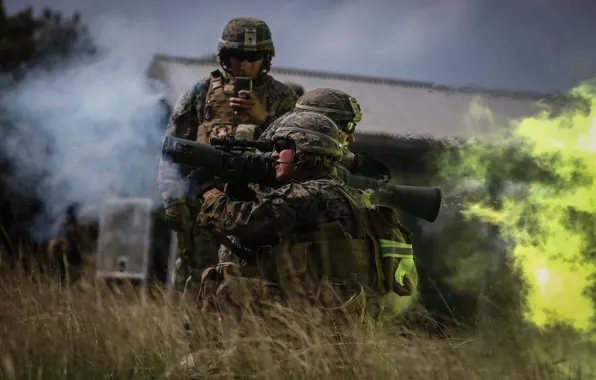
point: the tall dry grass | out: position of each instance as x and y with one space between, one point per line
84 331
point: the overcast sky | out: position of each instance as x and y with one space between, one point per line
537 45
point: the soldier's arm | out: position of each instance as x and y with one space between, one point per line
183 123
281 101
277 213
284 101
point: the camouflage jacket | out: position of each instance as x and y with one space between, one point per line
188 115
281 214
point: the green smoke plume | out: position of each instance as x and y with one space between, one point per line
540 192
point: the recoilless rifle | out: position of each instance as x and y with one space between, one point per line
235 161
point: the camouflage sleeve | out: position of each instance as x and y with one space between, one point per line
281 100
183 122
279 212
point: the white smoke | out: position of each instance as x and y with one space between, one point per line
92 130
87 131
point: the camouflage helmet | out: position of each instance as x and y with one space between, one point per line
340 107
247 35
269 132
314 134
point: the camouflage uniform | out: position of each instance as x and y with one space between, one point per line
353 249
203 112
298 89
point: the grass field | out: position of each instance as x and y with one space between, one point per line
85 332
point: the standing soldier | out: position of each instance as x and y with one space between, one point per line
211 109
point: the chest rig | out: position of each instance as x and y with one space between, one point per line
218 116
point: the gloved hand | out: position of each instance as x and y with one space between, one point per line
177 216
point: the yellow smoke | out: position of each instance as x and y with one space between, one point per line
551 225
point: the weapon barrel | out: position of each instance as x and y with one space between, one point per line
421 202
243 167
262 145
190 153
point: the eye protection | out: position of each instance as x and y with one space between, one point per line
245 55
282 144
349 127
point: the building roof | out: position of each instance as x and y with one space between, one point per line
390 107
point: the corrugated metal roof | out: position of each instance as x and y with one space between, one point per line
389 106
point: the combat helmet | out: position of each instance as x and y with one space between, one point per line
316 137
339 106
248 35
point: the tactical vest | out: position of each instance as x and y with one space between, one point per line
218 116
375 262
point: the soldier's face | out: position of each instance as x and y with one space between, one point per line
243 67
347 139
285 168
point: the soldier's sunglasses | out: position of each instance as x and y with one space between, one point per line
281 145
349 127
246 56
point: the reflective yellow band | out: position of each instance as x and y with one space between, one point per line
392 243
398 250
391 248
